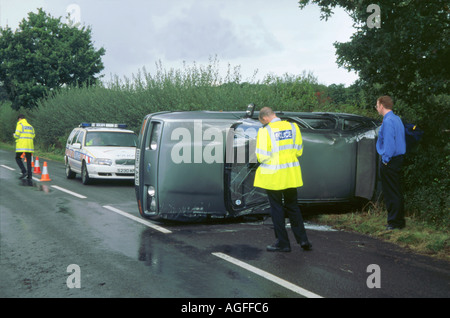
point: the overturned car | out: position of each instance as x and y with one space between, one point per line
199 164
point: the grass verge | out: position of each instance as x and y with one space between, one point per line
417 236
42 154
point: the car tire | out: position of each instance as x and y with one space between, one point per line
69 173
85 174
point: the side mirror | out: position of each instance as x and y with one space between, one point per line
250 110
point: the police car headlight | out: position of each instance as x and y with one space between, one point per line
102 161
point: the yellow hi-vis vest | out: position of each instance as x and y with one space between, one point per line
278 146
24 136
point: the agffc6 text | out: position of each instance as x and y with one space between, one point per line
230 307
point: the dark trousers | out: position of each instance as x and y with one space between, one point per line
392 190
21 165
293 212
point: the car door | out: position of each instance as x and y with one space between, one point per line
78 151
73 150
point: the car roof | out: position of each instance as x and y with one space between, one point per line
236 115
103 129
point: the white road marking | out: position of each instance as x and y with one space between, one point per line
134 218
9 168
69 192
266 275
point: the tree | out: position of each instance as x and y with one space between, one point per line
404 55
401 48
44 54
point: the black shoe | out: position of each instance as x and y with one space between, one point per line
306 246
23 176
276 248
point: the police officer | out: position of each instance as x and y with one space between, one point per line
24 136
278 146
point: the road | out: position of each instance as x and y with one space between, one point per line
60 238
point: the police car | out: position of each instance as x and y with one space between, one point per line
100 151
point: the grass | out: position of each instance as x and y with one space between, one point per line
419 237
54 155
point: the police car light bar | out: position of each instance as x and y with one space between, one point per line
105 125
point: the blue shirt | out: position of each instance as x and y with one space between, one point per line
391 137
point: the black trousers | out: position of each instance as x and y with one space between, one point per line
21 165
392 191
292 210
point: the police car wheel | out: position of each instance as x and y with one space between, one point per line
85 175
69 173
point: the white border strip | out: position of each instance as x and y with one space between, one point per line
266 275
128 215
9 168
69 192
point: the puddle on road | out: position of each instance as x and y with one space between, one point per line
38 186
316 227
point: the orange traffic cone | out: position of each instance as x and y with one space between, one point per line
45 176
37 168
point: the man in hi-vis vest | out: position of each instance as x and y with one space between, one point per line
24 136
278 146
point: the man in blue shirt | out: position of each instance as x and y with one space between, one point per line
391 146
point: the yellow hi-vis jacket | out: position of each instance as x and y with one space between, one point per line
24 136
278 146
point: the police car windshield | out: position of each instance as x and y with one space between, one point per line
111 139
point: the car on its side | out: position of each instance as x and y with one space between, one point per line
199 164
100 151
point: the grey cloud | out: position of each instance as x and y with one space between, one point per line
200 32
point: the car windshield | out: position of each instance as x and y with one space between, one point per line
111 139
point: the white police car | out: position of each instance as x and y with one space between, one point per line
100 151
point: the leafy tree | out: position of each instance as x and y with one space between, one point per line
44 54
406 55
401 48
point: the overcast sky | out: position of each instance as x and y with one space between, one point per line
270 37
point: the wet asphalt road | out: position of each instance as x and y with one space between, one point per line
44 229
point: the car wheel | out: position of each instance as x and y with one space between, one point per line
85 174
69 173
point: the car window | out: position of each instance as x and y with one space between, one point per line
155 132
320 123
111 139
80 137
350 124
70 138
